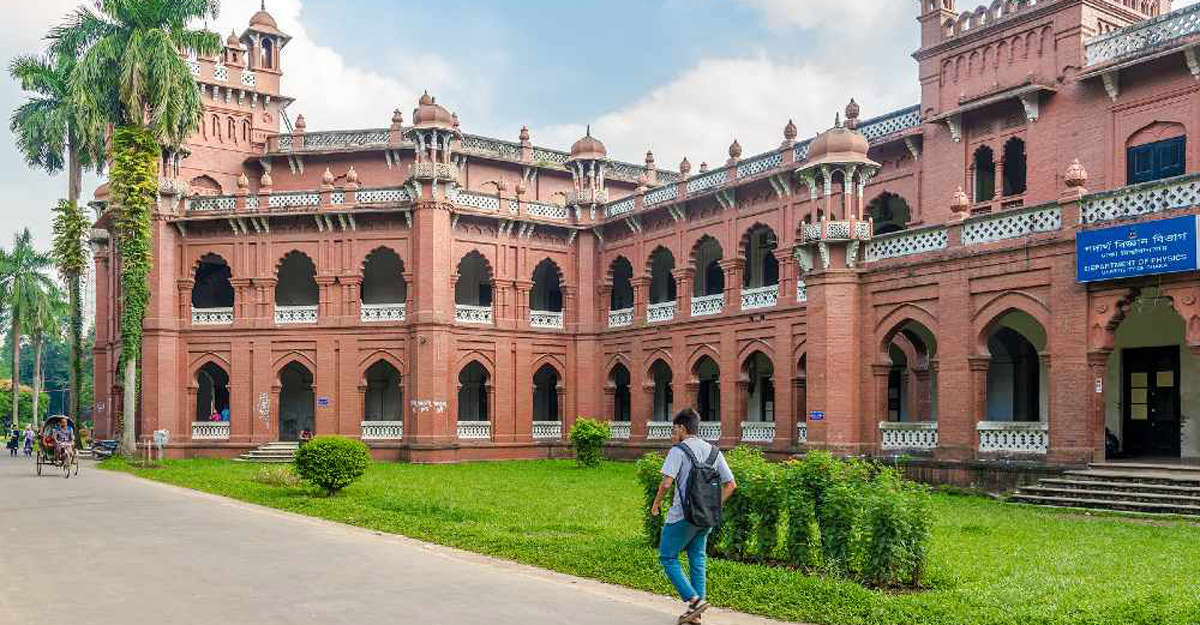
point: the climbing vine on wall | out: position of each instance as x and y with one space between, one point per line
70 228
134 187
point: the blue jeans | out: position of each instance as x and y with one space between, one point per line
677 537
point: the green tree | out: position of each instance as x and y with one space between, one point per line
23 281
131 75
46 320
51 134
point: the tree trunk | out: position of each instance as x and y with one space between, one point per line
37 375
15 333
75 295
129 409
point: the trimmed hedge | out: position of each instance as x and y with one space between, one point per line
847 518
587 438
332 462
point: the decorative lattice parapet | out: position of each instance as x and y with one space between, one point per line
370 313
590 196
801 291
387 195
295 314
346 139
475 430
800 151
760 297
661 194
433 171
620 430
620 318
710 430
212 203
542 156
546 319
221 72
758 431
891 123
547 430
664 311
708 181
919 436
1012 224
907 243
837 231
1142 199
625 171
212 316
621 207
546 211
494 148
756 165
1016 437
249 78
659 430
706 305
473 314
1144 36
210 430
382 430
294 200
479 201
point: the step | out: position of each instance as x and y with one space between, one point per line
1100 504
1166 489
1184 469
264 460
1132 475
1110 495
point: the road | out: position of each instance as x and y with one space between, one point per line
107 548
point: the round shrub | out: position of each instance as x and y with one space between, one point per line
587 438
332 462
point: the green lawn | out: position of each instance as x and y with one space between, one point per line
991 562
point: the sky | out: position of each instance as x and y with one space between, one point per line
680 77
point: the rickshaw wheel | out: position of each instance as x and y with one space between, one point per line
39 462
75 463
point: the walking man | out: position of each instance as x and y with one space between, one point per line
703 482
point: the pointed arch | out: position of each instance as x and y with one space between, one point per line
382 271
208 358
999 305
302 358
485 361
756 345
554 361
384 355
700 351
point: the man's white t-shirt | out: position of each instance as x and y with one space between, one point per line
678 466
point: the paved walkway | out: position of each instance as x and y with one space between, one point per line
105 548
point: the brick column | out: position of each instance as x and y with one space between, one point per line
641 297
641 410
978 365
326 307
184 288
741 414
787 277
683 291
799 406
606 305
571 316
351 298
732 268
265 288
243 301
1097 361
920 394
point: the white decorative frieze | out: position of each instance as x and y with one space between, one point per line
475 430
911 436
663 311
1012 224
756 165
659 430
620 207
479 201
473 314
546 211
295 314
546 319
620 430
802 433
547 430
382 312
758 431
892 123
295 200
382 430
661 194
620 318
212 316
801 291
1151 34
707 181
760 297
906 243
249 78
1017 437
210 430
221 72
710 430
212 203
1142 199
390 195
708 305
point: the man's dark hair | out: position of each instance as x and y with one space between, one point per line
689 419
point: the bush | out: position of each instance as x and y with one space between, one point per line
649 474
277 476
332 462
587 438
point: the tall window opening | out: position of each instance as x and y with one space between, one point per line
664 396
622 285
212 288
547 288
760 388
545 394
619 379
1014 167
297 281
474 285
212 396
889 212
708 394
473 393
385 395
762 268
383 278
1016 374
662 280
710 278
296 402
984 165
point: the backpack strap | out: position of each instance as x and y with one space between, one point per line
712 456
688 452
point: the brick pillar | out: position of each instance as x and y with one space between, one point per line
243 301
327 300
266 301
683 291
978 366
606 307
184 288
189 409
520 307
641 410
799 406
641 297
733 268
571 316
920 393
834 367
431 351
610 402
787 275
1097 361
351 298
742 413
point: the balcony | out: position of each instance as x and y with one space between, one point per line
587 196
620 430
475 430
295 314
547 430
908 436
659 430
433 171
382 430
706 305
758 431
210 430
1157 33
760 297
710 430
1014 437
370 313
473 314
212 316
663 311
546 319
620 318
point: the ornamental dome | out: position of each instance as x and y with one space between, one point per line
233 41
588 148
840 144
430 114
262 18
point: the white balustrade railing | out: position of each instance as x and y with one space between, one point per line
481 201
212 316
758 431
294 200
890 123
707 181
382 312
547 430
620 318
473 314
802 433
760 297
620 207
545 211
913 436
475 430
906 243
210 430
708 305
710 430
1011 224
1154 33
1142 199
756 165
1019 437
659 430
382 430
801 291
546 319
663 311
620 430
295 314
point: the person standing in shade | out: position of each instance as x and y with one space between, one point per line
688 522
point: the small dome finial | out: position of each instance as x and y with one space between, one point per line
649 159
852 111
789 132
524 134
735 150
685 167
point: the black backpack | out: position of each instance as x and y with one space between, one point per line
702 498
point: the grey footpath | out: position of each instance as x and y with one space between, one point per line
106 548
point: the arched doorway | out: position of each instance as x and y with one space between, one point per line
212 393
1016 375
707 377
758 390
546 296
212 290
664 395
384 399
473 290
296 401
618 380
545 394
662 286
473 393
889 212
383 292
296 292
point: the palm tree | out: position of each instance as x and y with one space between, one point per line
51 133
44 321
131 75
23 281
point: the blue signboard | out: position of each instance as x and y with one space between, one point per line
1141 249
323 402
816 415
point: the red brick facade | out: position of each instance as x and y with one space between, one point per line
863 327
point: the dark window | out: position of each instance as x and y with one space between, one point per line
1158 160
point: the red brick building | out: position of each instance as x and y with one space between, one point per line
905 284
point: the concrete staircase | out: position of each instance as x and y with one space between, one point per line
1121 486
279 452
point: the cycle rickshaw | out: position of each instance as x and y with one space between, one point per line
47 449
